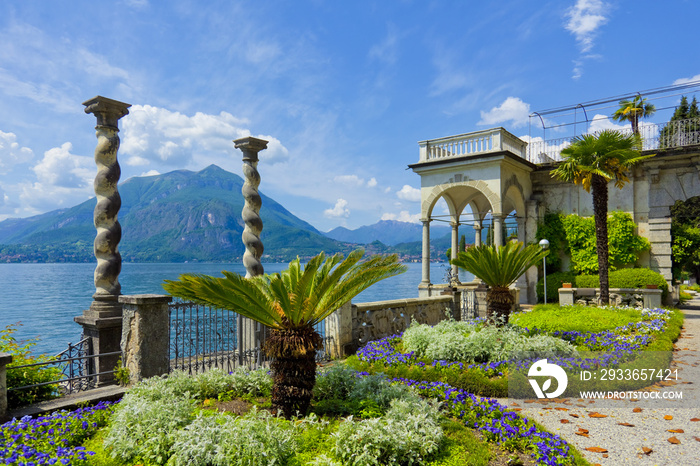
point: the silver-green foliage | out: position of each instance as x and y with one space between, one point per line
341 382
256 439
150 414
205 385
461 341
408 434
143 428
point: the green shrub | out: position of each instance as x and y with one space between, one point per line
334 382
143 428
626 278
554 282
455 341
209 384
21 355
339 392
256 439
409 433
552 317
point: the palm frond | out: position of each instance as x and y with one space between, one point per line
499 266
295 297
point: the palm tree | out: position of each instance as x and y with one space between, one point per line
499 267
592 161
290 303
633 110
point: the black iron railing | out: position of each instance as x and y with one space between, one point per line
203 337
76 365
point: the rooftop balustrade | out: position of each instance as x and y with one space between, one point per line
661 136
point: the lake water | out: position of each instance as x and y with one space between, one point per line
44 298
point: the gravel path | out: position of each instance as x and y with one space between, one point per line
645 439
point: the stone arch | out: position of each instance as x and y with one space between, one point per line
442 190
513 197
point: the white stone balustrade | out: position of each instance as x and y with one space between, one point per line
478 142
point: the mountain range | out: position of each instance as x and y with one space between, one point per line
196 216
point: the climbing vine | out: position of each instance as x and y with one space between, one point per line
575 236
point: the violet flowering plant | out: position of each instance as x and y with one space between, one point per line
55 438
612 347
496 423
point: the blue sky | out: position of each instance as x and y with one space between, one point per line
343 90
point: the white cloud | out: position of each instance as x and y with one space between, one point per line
11 153
603 122
686 80
585 18
61 168
403 216
47 69
150 173
512 109
339 210
163 139
372 182
409 193
349 180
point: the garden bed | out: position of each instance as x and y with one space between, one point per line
426 407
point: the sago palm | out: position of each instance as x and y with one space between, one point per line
290 303
592 160
499 267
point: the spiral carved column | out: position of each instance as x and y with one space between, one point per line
103 321
253 224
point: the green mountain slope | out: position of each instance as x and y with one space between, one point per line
176 217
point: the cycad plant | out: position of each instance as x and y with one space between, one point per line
290 303
499 267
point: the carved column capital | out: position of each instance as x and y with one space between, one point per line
107 111
250 147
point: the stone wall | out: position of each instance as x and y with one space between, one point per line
633 297
353 325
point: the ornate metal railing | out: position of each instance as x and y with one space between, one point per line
663 136
203 338
76 365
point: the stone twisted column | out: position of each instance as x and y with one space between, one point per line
102 322
109 232
253 224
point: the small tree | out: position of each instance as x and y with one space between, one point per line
593 161
290 303
499 267
633 110
682 124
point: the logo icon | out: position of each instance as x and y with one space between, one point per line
543 368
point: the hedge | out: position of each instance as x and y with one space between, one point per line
623 278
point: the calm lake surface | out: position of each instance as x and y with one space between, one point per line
44 298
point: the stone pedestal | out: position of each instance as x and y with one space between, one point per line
145 341
5 359
339 326
566 296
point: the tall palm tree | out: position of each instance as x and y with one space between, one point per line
290 303
633 110
499 267
592 161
